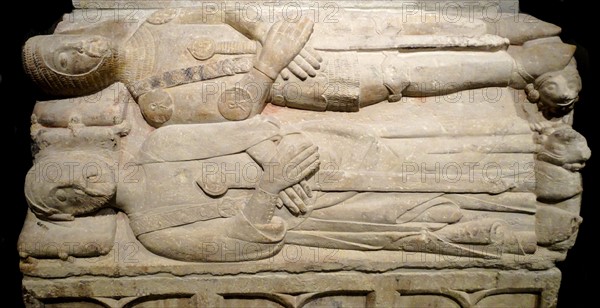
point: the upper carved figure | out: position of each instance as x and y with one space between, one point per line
149 62
179 75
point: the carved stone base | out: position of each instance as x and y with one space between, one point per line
403 288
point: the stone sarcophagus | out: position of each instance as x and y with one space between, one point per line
343 154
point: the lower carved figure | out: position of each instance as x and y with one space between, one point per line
190 203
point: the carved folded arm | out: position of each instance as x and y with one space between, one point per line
286 166
283 43
254 29
302 63
248 22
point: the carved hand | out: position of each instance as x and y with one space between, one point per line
306 64
283 43
295 159
296 198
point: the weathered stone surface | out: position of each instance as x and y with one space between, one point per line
301 163
451 288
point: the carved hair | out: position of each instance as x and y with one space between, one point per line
41 190
60 84
39 201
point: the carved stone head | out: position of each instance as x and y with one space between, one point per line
563 146
70 65
555 92
63 185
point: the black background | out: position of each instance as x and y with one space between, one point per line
28 18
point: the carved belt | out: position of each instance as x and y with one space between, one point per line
178 215
343 85
227 67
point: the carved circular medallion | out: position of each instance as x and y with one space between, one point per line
202 49
162 16
212 185
228 207
235 104
157 107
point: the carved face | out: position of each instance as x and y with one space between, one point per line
63 185
76 55
71 65
559 90
565 146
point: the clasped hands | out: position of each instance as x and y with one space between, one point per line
285 51
286 171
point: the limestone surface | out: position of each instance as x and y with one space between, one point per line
213 154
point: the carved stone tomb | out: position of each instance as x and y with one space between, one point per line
302 154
